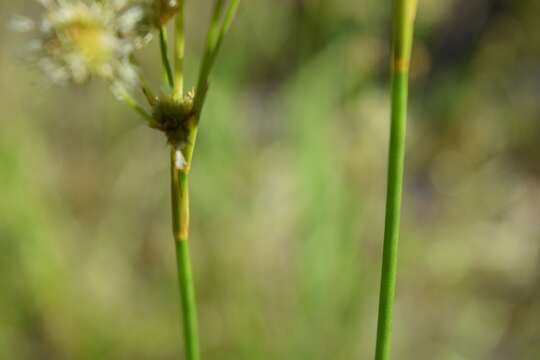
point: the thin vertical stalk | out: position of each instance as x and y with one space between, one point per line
179 52
180 164
403 23
164 48
216 33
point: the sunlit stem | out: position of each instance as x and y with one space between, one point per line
403 21
179 52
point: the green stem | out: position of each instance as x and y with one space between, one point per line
132 103
187 293
216 33
180 219
179 52
404 13
164 47
180 165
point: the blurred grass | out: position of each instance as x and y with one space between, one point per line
288 194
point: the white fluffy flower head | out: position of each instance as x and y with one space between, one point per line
77 40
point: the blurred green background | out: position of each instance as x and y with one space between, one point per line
288 193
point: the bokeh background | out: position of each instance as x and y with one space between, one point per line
288 193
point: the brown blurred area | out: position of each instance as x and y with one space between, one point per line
288 192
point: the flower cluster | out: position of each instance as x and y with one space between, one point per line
76 40
174 118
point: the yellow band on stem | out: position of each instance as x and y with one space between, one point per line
400 65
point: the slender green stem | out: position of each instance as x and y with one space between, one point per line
404 12
187 294
180 165
132 103
148 93
216 33
180 219
164 47
181 162
179 52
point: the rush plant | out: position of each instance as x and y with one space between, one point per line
403 21
77 40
